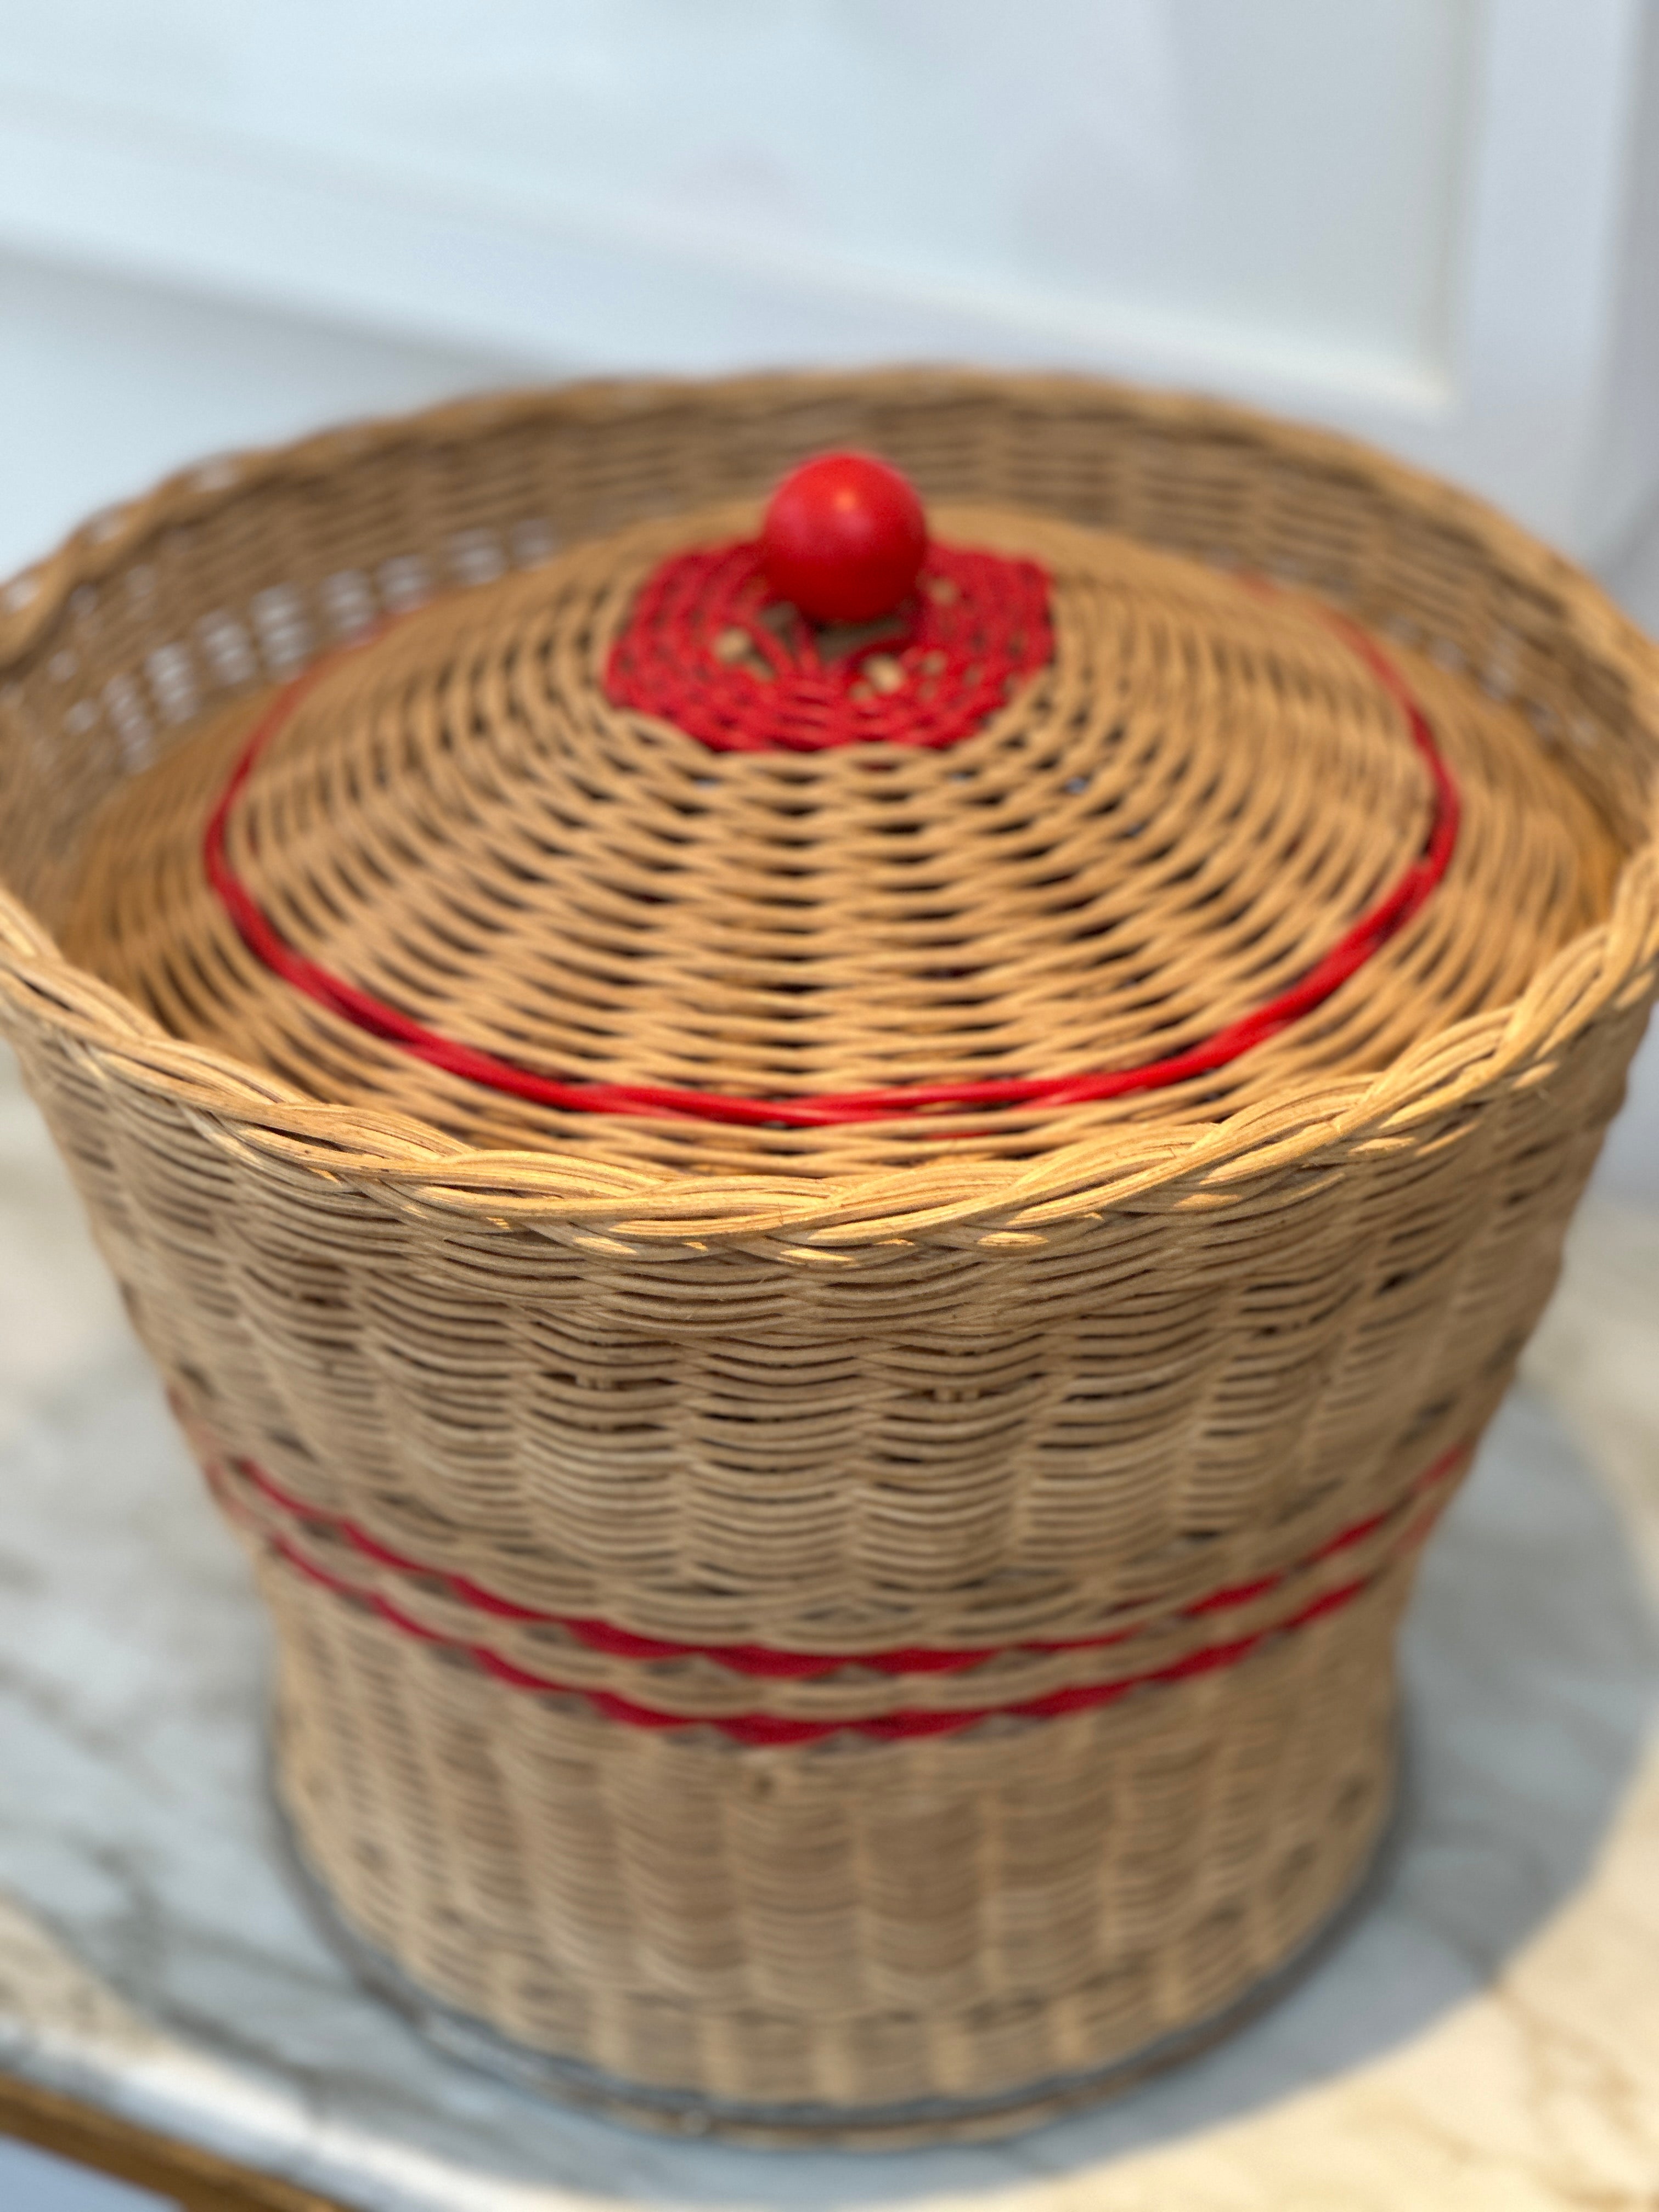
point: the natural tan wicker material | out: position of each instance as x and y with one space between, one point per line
847 1400
1145 844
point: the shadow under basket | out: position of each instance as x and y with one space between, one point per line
835 1360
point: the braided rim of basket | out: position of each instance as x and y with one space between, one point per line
735 572
1609 975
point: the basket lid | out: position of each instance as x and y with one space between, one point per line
625 852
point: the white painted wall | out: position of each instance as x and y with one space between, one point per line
1143 165
107 383
1417 219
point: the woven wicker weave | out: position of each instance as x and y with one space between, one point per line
823 1621
1138 848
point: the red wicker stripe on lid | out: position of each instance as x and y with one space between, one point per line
839 724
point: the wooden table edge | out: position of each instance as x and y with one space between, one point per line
199 2180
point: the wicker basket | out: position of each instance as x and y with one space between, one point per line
882 1631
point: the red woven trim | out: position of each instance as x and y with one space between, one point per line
379 1018
761 1728
977 626
758 1660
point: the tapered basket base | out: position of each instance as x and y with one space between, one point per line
911 2124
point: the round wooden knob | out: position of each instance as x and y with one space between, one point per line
844 538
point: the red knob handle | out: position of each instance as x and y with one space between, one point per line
844 538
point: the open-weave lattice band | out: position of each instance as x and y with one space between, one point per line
282 1523
375 1015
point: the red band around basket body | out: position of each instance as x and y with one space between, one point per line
1412 1517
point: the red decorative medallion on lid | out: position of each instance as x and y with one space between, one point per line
841 625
